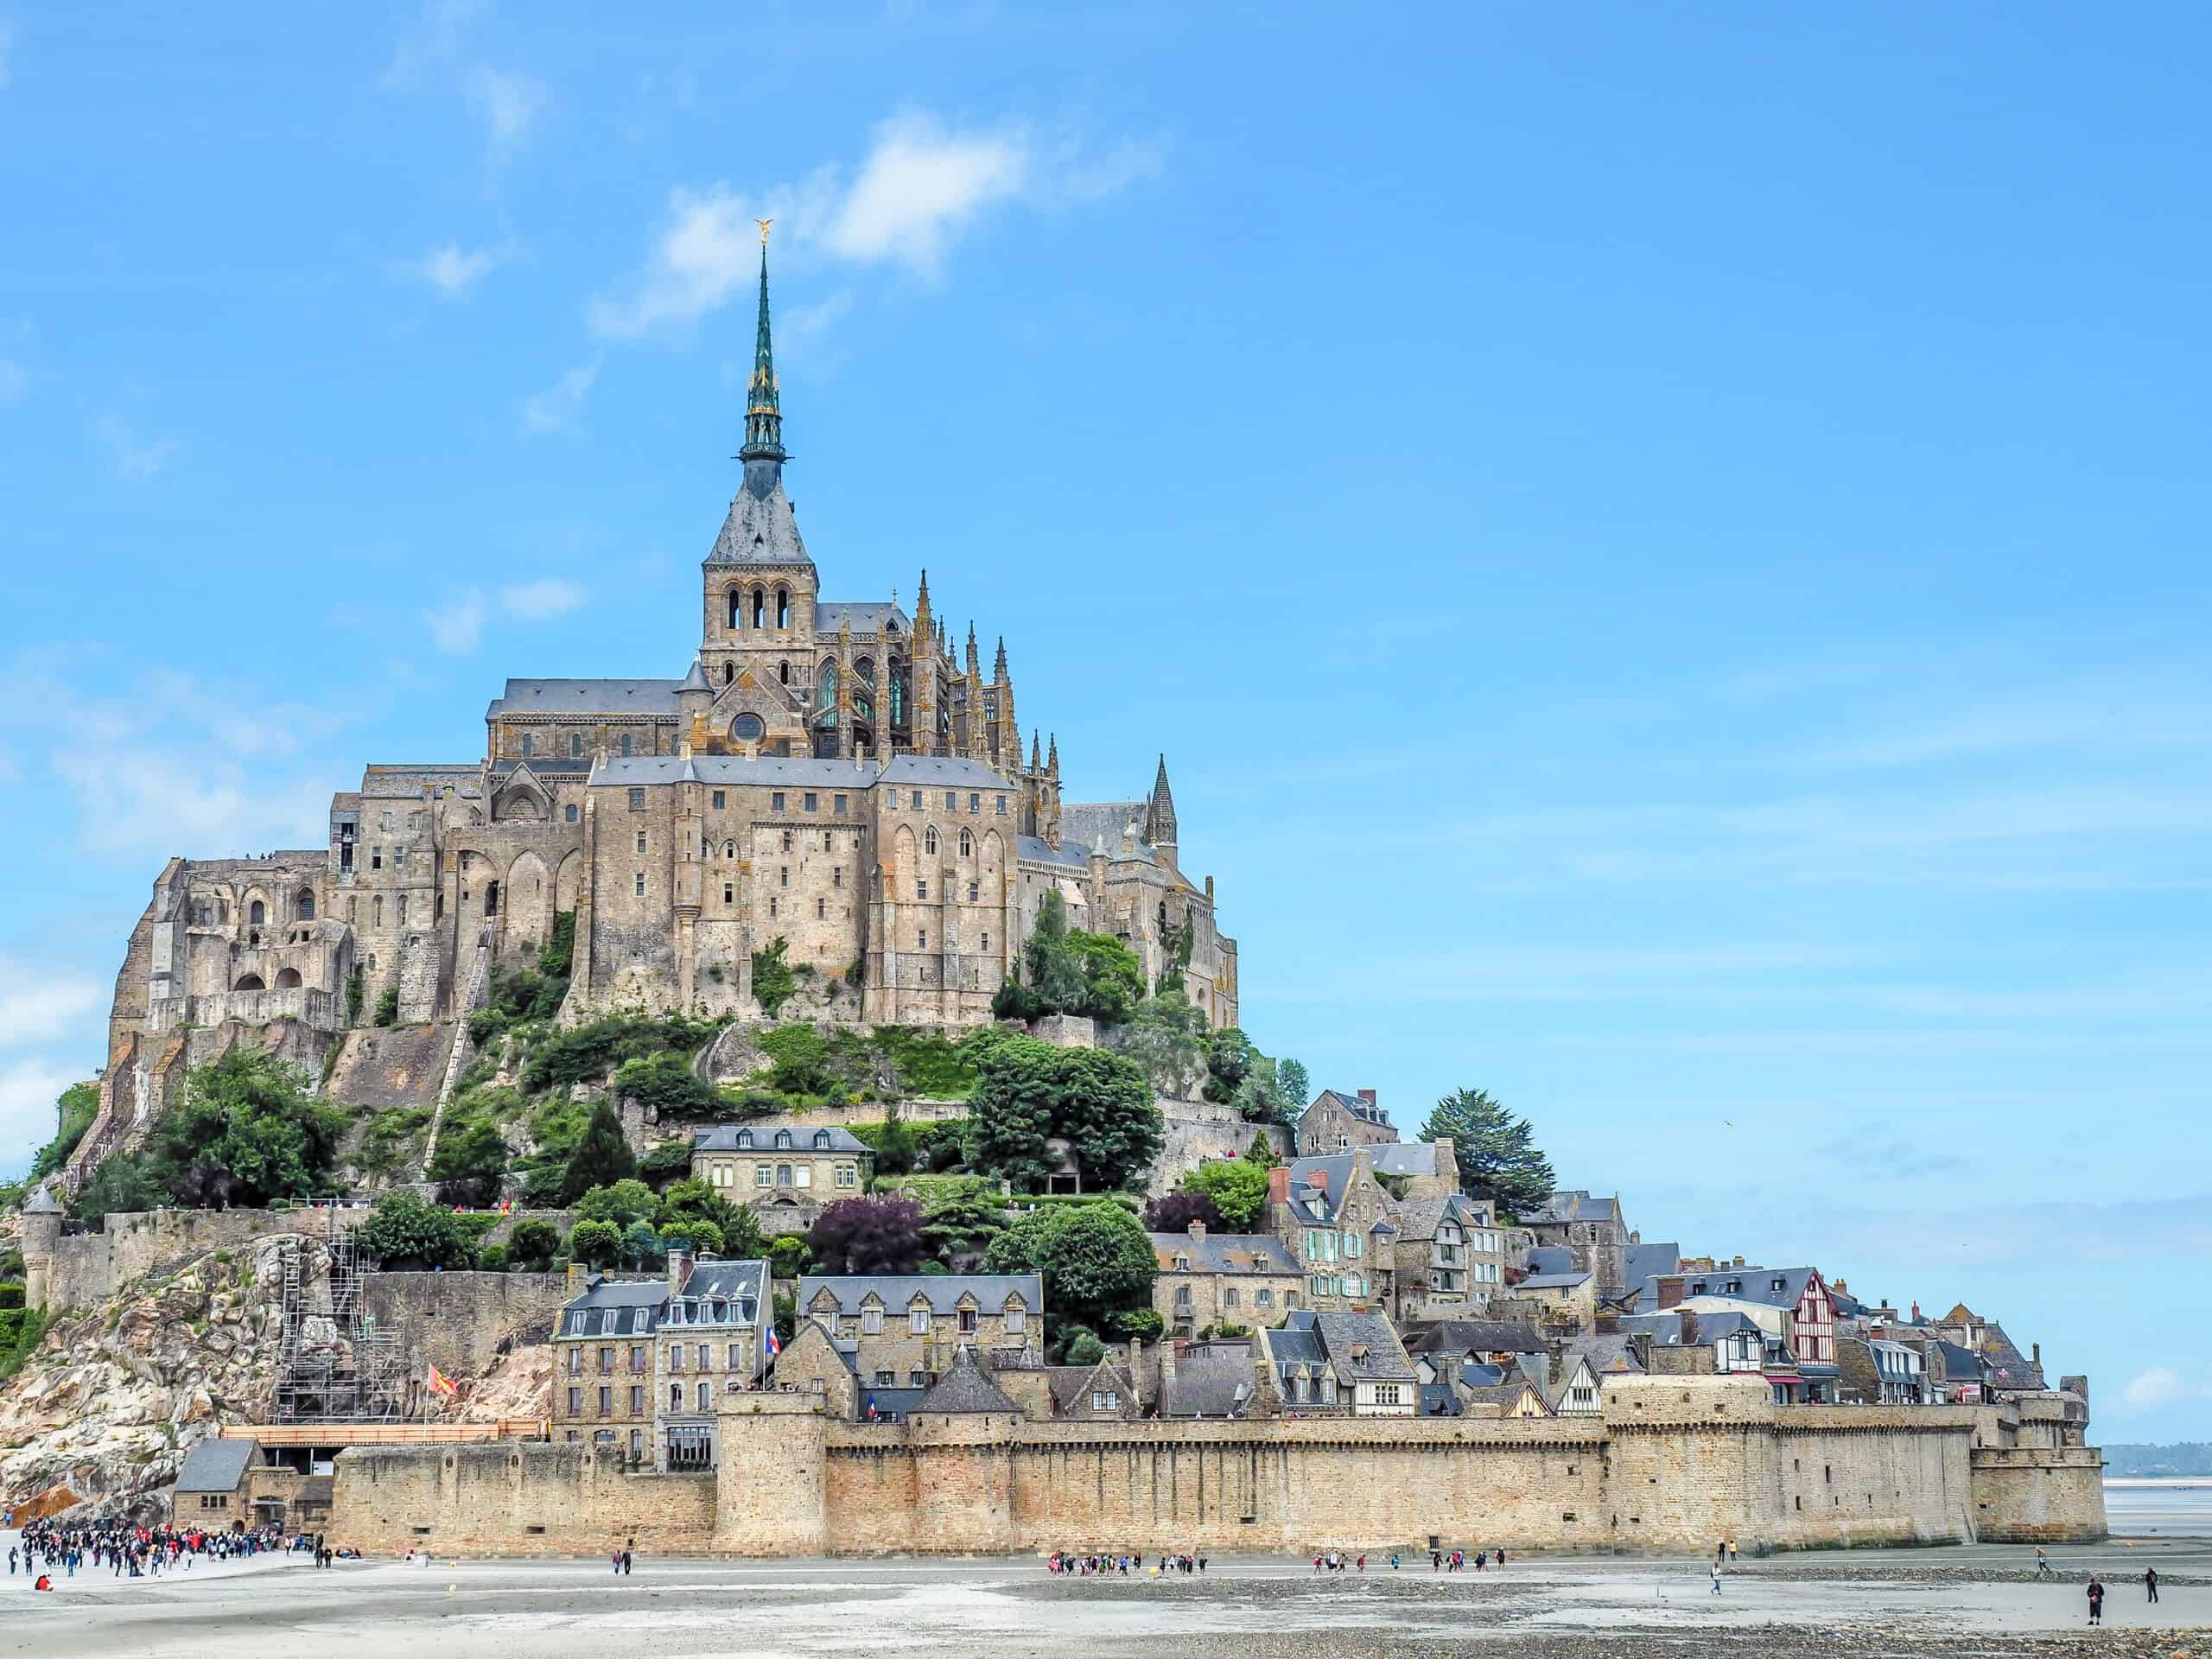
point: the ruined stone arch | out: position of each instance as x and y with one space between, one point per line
303 904
248 983
903 862
568 880
529 897
288 979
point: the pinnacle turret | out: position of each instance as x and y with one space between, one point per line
764 415
1160 810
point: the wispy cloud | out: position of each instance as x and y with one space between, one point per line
431 41
533 600
457 623
560 407
137 459
37 1004
29 1088
2160 1385
922 185
510 104
453 270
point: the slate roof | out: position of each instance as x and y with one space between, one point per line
615 1307
1349 1100
749 1137
1073 1385
942 1290
1506 1394
1573 1206
214 1466
964 1389
697 680
1211 1380
1642 1262
1550 1258
1225 1252
1475 1375
1439 1400
1477 1336
1554 1280
792 771
41 1203
890 1402
586 697
1335 1168
1419 1218
727 1281
1960 1365
866 616
2008 1367
1758 1285
1330 1337
945 772
1098 823
759 527
1038 850
1609 1354
1403 1158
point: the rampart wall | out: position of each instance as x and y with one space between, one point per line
1673 1465
510 1497
460 1321
2038 1494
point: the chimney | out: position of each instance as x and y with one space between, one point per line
1367 1096
1671 1286
575 1285
1197 1229
1916 1312
1841 1289
1317 1180
1279 1184
2035 1353
1167 1366
679 1268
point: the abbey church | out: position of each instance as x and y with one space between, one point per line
840 776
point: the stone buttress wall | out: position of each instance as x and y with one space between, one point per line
514 1498
2039 1495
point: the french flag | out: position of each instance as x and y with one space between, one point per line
772 1346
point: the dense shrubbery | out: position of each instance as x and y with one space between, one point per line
587 1053
774 982
1237 1187
1097 1262
406 1230
1030 1092
1063 970
78 1105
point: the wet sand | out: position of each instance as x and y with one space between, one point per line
1980 1600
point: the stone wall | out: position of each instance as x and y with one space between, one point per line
510 1497
1199 1130
1673 1464
459 1322
2038 1494
89 1267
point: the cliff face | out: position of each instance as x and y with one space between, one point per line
115 1396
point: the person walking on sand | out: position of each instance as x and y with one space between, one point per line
1715 1570
2042 1564
2151 1581
2096 1599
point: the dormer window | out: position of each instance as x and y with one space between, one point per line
822 1140
744 1137
783 1139
918 1320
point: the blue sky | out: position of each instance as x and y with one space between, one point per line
1664 544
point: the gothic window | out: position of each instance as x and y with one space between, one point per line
736 609
783 607
966 845
929 845
529 745
575 746
304 904
760 609
898 693
863 705
748 729
568 812
257 912
625 742
375 910
783 673
825 694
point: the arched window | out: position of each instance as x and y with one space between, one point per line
760 608
863 670
736 609
783 673
625 742
303 907
288 979
676 1397
729 672
898 693
375 910
966 845
929 840
249 983
575 746
825 693
529 745
783 607
748 729
257 912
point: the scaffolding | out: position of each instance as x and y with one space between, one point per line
336 1364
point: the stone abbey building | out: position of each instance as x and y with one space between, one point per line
840 776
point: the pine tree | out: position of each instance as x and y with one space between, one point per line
1498 1156
602 1157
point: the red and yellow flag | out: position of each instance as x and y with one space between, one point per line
441 1384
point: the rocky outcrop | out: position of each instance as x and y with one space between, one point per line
115 1396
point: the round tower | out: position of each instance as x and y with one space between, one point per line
41 1233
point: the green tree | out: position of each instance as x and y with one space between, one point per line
882 1235
894 1147
122 1185
602 1157
1166 1036
407 1231
1237 1186
1081 1347
702 1235
1261 1151
1062 970
1297 1086
1229 1057
622 1202
594 1242
74 1113
789 1258
1096 1259
471 1160
961 1215
642 1247
1113 978
689 1202
246 1131
387 1012
1498 1154
533 1243
667 1082
773 983
1027 1092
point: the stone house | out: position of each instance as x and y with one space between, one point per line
604 1382
1569 1296
1416 1169
1200 1380
2006 1370
1335 1217
1591 1232
1208 1280
1338 1122
1328 1360
906 1328
764 1164
1791 1307
1105 1392
1486 1342
1448 1258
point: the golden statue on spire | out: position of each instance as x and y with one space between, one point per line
764 224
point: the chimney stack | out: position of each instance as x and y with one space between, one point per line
679 1268
1279 1184
1197 1229
1367 1096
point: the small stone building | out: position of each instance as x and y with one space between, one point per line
1338 1122
906 1328
1208 1280
761 1164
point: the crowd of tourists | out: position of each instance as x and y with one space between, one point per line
122 1550
1098 1566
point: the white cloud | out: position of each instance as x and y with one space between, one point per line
457 625
432 41
15 381
550 596
560 407
2161 1385
36 1004
508 104
28 1091
137 460
453 270
922 184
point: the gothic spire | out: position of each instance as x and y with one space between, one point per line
764 415
1160 811
1036 763
998 674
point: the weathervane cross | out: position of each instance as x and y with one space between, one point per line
764 224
